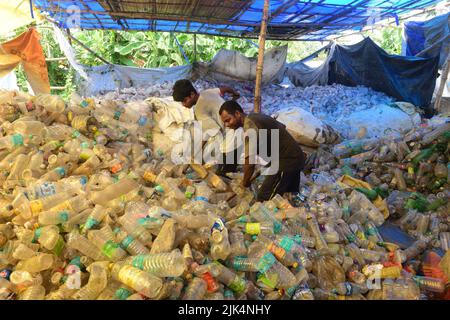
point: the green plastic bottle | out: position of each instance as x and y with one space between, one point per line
436 204
417 202
369 193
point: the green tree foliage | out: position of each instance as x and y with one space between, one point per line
158 49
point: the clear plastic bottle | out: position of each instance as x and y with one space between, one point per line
35 167
87 248
113 191
15 174
88 167
444 238
134 229
160 264
106 244
13 141
128 243
62 293
313 227
50 239
38 263
165 239
430 284
56 174
243 264
35 292
272 269
196 289
349 289
227 277
414 250
237 243
23 279
372 232
95 218
141 281
220 245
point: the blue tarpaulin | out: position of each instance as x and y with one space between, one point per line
410 79
288 19
433 34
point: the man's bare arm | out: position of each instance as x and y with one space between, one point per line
248 173
225 89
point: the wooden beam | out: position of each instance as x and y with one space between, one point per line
195 47
56 59
260 63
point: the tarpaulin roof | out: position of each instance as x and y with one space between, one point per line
288 20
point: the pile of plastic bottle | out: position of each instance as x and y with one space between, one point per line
89 211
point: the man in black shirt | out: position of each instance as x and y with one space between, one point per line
286 158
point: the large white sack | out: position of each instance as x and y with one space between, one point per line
168 112
305 128
237 66
380 121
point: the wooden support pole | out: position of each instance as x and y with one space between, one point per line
56 59
437 104
260 63
195 47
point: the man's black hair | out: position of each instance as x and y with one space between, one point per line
182 89
230 107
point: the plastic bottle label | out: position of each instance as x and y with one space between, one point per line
128 275
238 262
116 168
149 176
286 243
253 228
138 262
298 238
270 282
17 140
109 248
63 216
84 145
122 294
277 251
46 189
277 227
201 199
266 262
238 285
126 242
36 206
58 247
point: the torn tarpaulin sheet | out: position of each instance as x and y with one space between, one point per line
409 79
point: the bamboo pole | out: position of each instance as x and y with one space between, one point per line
260 63
437 104
195 47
